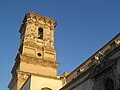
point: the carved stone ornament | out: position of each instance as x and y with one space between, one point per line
30 21
37 17
32 44
46 26
51 28
37 24
22 76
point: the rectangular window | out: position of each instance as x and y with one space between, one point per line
40 33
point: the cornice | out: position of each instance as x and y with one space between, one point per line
36 18
39 75
37 61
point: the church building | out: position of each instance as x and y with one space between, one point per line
35 65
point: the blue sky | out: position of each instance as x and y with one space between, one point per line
84 26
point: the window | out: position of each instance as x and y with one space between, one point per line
40 33
39 54
109 84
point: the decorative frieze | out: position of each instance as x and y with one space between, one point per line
33 18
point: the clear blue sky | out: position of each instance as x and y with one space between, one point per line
84 26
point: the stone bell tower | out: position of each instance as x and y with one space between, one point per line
36 54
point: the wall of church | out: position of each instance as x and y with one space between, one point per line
71 77
87 85
37 83
118 67
38 69
118 73
77 85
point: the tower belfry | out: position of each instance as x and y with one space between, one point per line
36 57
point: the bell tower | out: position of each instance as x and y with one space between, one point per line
36 55
37 37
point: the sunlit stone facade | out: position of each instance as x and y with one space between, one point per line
36 58
35 65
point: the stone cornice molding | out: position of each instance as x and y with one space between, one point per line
37 61
36 18
29 74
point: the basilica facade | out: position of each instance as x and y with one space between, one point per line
35 65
